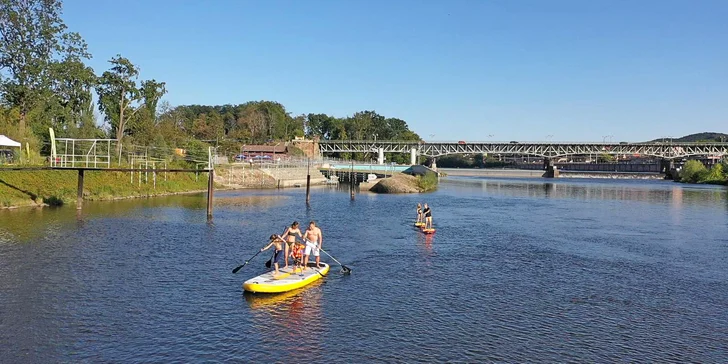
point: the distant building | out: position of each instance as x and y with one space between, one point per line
264 149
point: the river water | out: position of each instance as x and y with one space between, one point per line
519 271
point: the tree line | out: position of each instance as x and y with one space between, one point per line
45 82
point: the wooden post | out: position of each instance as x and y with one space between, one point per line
79 196
308 182
352 177
210 191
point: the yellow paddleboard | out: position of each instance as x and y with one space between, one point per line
419 224
287 280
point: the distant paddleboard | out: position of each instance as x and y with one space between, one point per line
428 231
419 224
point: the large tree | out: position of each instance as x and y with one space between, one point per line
33 40
118 91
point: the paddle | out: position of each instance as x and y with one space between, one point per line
246 262
344 269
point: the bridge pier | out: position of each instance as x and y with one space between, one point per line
551 170
413 156
434 164
380 156
667 166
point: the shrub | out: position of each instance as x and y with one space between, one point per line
693 172
427 182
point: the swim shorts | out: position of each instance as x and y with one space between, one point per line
311 247
278 256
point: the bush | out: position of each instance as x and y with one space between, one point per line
716 174
427 182
693 172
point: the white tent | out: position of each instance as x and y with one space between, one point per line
7 142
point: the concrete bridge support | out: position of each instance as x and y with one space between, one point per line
413 156
380 157
667 166
551 170
434 164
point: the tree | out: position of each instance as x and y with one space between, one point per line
117 91
145 119
693 172
33 39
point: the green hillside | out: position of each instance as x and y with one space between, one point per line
698 137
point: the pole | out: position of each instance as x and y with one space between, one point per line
79 196
352 176
210 190
308 181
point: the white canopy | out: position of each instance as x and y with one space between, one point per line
7 142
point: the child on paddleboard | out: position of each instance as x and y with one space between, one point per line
276 241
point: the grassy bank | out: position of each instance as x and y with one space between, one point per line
33 188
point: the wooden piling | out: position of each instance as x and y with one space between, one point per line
210 190
308 182
79 196
352 180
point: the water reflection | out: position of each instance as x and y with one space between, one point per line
293 317
627 190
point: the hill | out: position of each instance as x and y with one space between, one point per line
699 137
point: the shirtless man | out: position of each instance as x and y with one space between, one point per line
290 236
314 241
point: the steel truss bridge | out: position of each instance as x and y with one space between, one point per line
549 150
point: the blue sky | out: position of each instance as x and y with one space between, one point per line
461 70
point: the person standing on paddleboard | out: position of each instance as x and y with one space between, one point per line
314 241
428 217
276 241
290 236
419 212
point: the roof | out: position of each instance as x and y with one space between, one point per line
7 142
264 148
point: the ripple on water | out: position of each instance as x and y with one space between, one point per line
518 271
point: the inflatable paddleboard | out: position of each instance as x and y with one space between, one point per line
286 280
428 231
419 224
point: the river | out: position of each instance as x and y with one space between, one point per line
519 270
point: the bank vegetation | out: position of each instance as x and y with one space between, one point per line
695 171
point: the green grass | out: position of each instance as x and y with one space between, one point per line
29 188
427 182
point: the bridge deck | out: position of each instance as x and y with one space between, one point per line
548 150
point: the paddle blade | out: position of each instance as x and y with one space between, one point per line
238 268
345 269
268 264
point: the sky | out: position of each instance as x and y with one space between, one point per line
474 70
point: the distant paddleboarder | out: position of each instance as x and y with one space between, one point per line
428 217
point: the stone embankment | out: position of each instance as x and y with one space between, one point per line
242 176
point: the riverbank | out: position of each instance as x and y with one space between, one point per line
54 187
